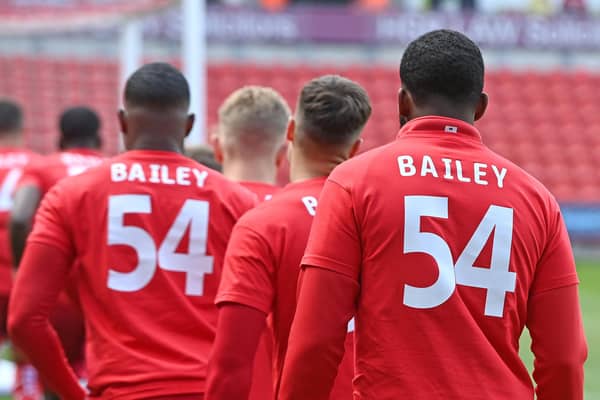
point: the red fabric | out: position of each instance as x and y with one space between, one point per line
146 333
67 320
31 302
262 379
231 372
3 316
558 342
323 345
264 191
473 210
262 262
45 172
12 163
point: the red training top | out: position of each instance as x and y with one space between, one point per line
150 229
12 163
47 171
262 264
451 248
262 381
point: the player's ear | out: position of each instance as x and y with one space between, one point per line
123 121
355 147
189 124
291 129
281 154
215 141
481 106
405 105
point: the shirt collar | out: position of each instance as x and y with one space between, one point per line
440 126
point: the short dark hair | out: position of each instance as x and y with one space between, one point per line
158 86
333 109
11 117
443 63
78 123
205 155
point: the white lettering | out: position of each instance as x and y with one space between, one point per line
452 169
13 160
448 163
311 204
154 173
200 176
182 176
459 172
500 174
164 175
479 172
428 167
118 172
136 173
406 165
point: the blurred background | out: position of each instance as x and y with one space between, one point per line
542 56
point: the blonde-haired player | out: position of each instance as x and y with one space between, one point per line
250 138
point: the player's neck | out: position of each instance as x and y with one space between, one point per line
302 169
157 145
250 172
442 108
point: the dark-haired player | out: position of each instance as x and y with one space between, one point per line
80 144
444 251
205 155
148 229
263 257
13 159
250 138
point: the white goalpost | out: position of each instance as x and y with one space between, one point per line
194 63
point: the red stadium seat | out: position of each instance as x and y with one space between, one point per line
546 121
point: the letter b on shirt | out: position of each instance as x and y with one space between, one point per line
310 203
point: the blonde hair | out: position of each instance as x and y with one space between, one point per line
253 117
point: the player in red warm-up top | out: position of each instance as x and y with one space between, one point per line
250 143
262 262
79 144
13 159
250 138
149 230
444 251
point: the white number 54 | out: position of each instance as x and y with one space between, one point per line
497 279
195 263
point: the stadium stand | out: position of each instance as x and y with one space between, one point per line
546 122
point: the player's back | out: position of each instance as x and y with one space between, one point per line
48 170
150 230
284 223
451 235
262 381
12 163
